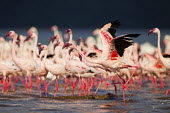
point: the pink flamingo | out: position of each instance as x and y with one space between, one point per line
164 60
55 69
112 49
27 66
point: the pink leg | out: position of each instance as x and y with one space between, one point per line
140 81
98 87
156 82
26 84
39 87
56 87
30 83
162 84
11 83
6 85
21 79
65 83
46 86
167 91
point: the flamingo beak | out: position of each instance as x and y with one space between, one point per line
69 31
80 57
66 45
55 45
28 37
151 31
70 50
79 40
39 48
7 35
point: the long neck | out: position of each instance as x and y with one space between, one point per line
46 51
35 48
159 46
14 56
21 48
93 63
106 41
71 38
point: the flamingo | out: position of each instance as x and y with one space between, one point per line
164 60
167 43
55 69
27 66
113 48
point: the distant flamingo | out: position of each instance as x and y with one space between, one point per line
27 66
164 60
55 69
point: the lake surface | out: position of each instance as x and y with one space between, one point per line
140 100
145 99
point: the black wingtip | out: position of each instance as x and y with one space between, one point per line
133 35
115 24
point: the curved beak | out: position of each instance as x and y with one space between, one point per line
151 31
66 45
6 35
80 57
28 38
79 40
39 48
70 50
55 45
18 43
69 31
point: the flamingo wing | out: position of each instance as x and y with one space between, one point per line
112 30
120 43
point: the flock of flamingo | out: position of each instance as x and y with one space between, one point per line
104 60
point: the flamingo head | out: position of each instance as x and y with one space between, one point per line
54 28
107 26
79 40
39 48
70 50
32 30
166 39
10 34
66 45
57 44
69 31
45 47
2 39
154 30
30 36
53 38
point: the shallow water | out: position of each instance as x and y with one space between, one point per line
141 100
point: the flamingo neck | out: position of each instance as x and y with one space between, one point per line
159 46
106 41
21 47
14 56
85 58
46 51
71 38
35 48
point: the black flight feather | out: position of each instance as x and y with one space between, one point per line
112 30
123 42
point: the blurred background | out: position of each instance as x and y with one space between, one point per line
134 15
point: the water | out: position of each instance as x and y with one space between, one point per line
141 100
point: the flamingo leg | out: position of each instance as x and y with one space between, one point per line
162 84
56 87
26 84
167 91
